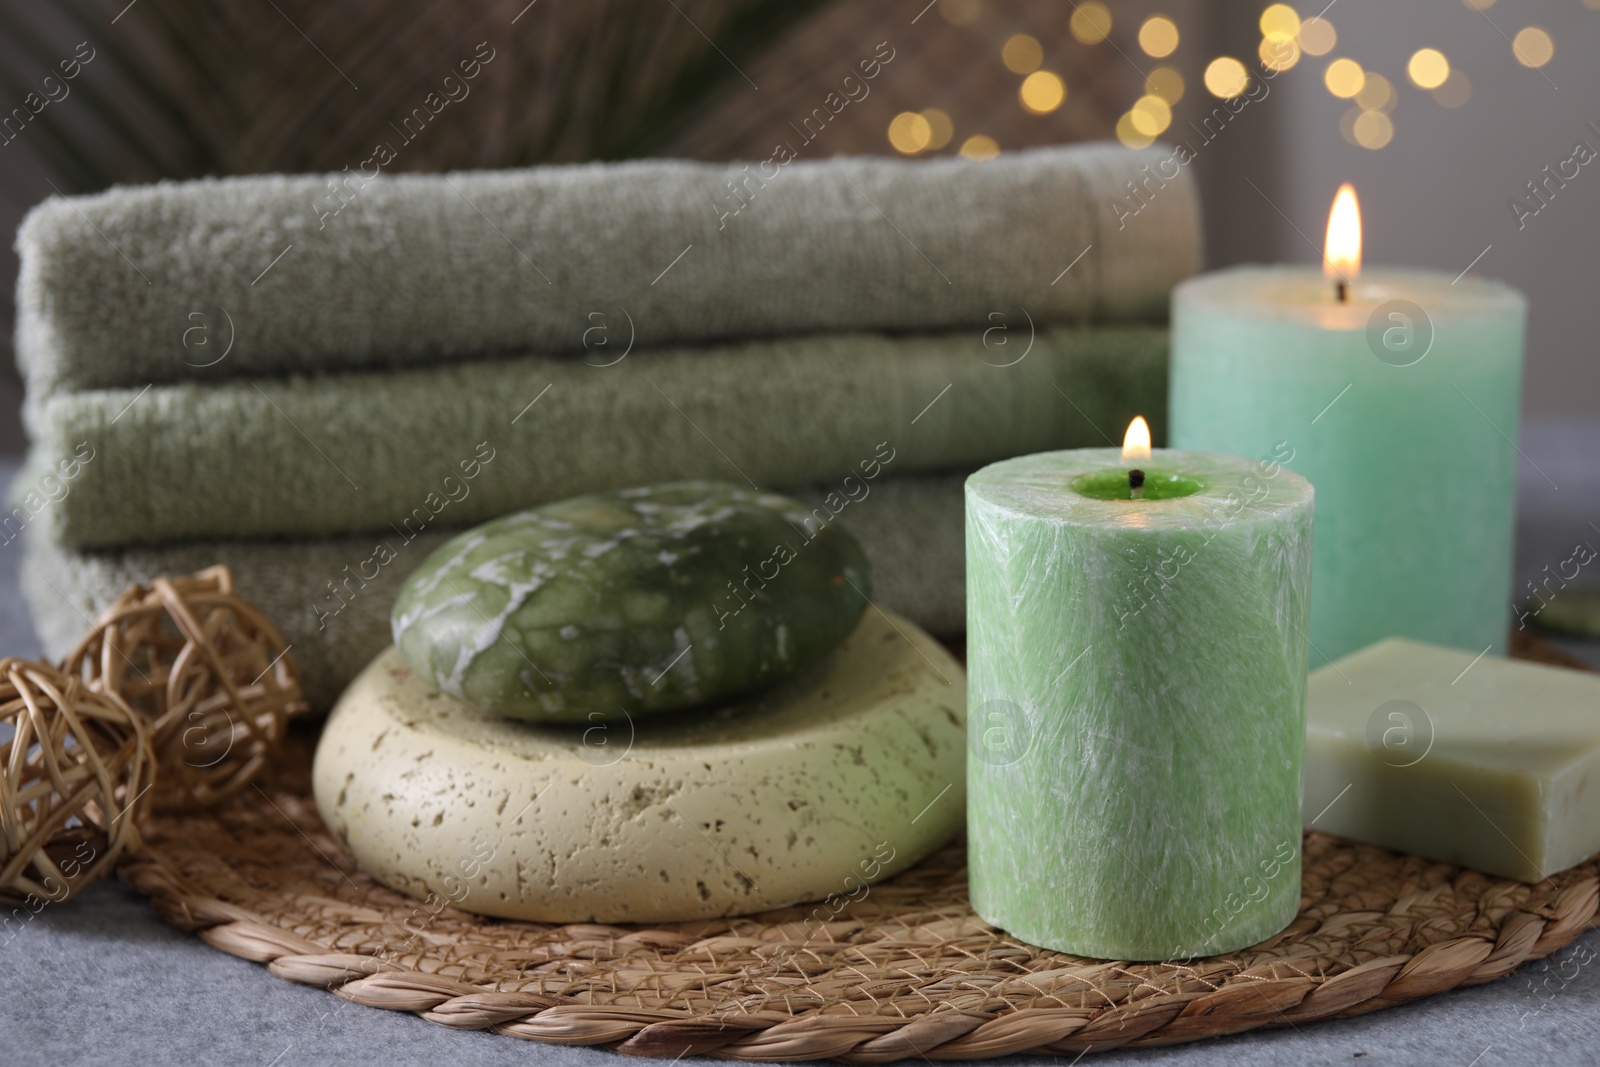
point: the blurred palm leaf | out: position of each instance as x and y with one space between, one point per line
183 88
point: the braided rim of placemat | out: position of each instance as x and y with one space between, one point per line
908 970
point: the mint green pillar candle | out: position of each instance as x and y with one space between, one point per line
1136 700
1400 405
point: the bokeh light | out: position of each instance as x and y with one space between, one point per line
1091 22
1158 36
1532 47
961 12
1150 115
940 128
1372 129
980 146
1479 5
1042 92
1347 124
1129 134
1377 93
1428 68
1280 19
1168 83
1317 37
1344 78
1226 77
909 132
1022 54
1455 91
1278 53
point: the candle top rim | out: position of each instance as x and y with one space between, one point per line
1296 291
1235 491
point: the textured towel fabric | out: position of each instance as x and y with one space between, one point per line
263 276
331 598
461 443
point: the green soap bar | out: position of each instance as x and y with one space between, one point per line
633 601
1477 760
1575 612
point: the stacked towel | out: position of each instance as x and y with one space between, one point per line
354 452
284 373
338 273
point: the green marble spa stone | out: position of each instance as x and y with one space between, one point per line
1136 700
636 601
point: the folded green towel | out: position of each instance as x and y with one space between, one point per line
262 276
339 454
331 599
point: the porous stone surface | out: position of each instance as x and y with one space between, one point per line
846 773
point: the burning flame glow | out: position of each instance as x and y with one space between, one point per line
1136 442
1341 252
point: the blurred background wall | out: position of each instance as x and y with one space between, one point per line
1440 145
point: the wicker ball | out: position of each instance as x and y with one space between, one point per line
75 774
209 673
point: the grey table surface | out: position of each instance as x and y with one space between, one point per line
103 980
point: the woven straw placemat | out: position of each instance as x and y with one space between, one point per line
907 971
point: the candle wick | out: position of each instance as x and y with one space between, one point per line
1341 290
1136 485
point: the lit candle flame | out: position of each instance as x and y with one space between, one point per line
1136 442
1341 252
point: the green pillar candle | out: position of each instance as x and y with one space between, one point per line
1400 405
1136 694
